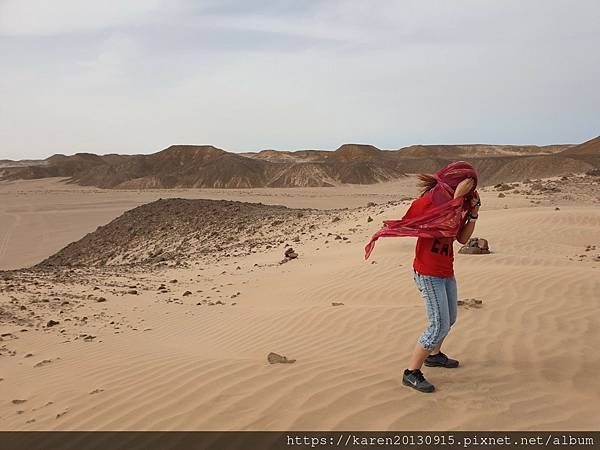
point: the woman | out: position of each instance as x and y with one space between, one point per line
446 210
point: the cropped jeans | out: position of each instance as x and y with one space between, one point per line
440 296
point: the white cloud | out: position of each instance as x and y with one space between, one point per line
44 18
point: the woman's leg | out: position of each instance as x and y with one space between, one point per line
452 296
434 294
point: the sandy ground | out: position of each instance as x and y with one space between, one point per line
164 361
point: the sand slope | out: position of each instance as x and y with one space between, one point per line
525 354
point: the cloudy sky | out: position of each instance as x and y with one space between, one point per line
135 76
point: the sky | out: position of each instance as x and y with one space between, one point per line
135 76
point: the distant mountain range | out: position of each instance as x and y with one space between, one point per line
205 166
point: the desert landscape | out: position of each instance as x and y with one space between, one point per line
148 292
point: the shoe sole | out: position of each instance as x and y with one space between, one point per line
428 364
405 383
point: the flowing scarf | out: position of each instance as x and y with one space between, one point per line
446 215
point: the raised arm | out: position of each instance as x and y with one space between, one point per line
469 226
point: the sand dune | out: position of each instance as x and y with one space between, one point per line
166 362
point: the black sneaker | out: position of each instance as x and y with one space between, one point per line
416 380
440 360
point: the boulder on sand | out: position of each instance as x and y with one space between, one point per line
475 246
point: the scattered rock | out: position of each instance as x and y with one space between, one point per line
470 303
43 363
274 358
187 293
503 187
593 172
336 303
18 401
369 219
290 253
51 323
501 195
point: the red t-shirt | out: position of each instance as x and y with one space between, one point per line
433 256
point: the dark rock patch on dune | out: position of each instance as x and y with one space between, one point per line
178 230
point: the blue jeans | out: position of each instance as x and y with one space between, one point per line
440 297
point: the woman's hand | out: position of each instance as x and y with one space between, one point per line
464 187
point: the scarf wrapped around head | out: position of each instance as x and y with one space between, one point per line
445 216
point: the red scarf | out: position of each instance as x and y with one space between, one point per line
447 215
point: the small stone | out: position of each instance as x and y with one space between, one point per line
274 358
290 253
186 293
336 303
43 363
51 323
